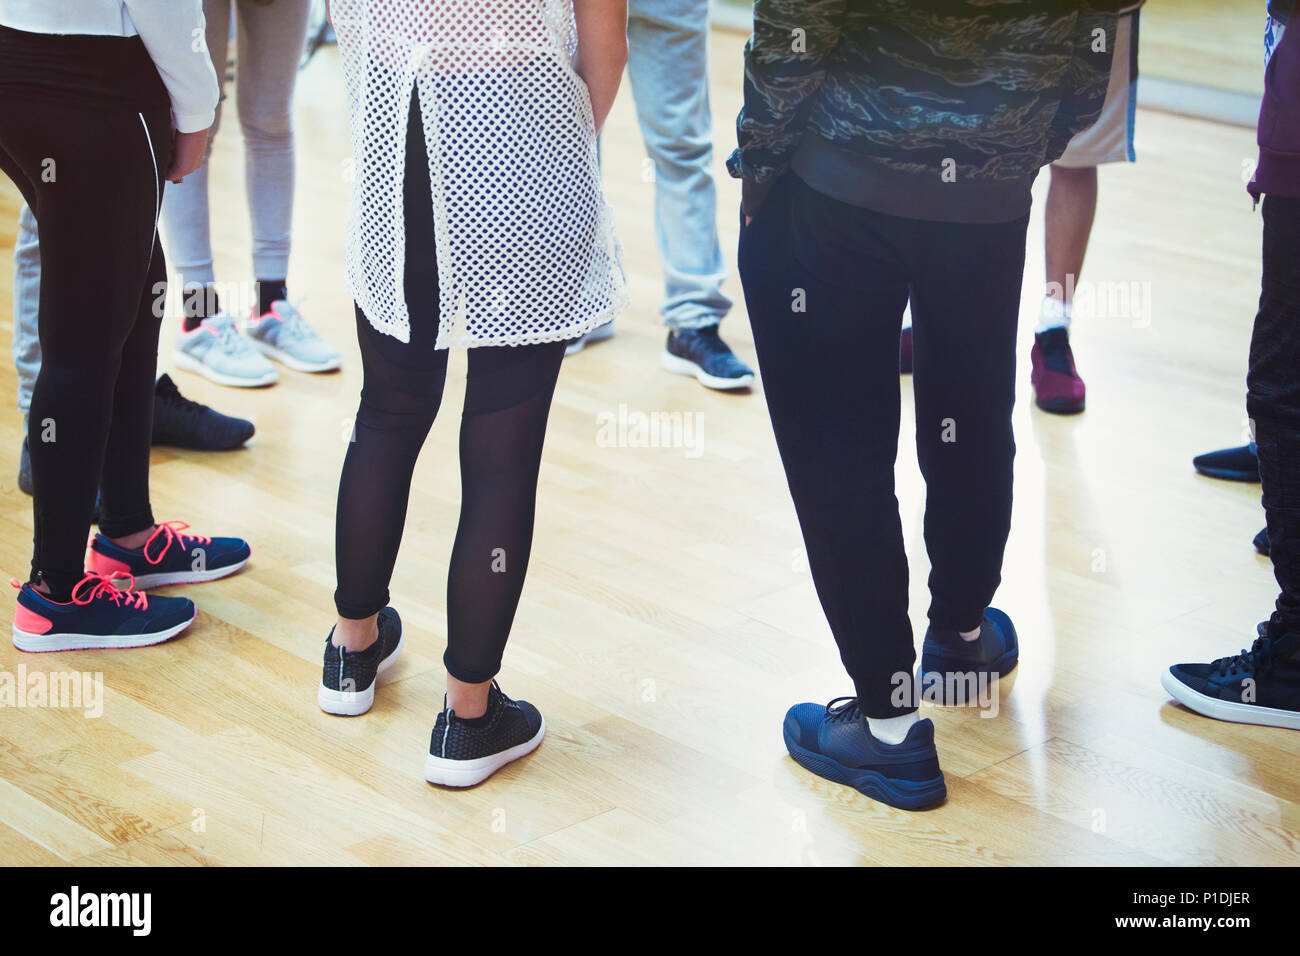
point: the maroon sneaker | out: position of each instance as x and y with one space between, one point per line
905 351
1057 386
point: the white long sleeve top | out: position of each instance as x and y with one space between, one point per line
526 249
172 32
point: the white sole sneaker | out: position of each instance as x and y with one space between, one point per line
467 773
1226 709
146 581
43 643
190 364
287 360
681 366
354 703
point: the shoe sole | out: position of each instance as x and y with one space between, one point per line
46 643
1226 709
467 773
182 360
354 703
1060 406
298 365
146 581
681 366
901 794
1226 475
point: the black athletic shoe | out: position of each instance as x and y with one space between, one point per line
25 479
952 669
348 678
835 742
702 353
1259 686
1229 464
183 423
465 752
1261 542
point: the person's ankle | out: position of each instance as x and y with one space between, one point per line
134 542
355 636
892 730
467 701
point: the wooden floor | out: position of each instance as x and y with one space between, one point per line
668 620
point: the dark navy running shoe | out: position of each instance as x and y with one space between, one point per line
834 741
99 615
703 354
1260 541
955 672
1258 686
348 678
1229 464
170 556
184 423
465 752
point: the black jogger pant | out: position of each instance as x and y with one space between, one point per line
1273 400
85 134
826 284
507 402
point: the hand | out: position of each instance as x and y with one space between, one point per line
187 154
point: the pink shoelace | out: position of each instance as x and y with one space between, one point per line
102 586
170 533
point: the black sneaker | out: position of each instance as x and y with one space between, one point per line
1229 464
347 683
1261 542
25 479
465 752
1259 686
183 423
702 353
952 670
835 742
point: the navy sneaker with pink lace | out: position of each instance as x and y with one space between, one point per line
100 614
170 556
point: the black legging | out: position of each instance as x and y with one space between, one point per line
507 401
85 134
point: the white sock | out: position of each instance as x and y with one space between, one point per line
1054 314
892 730
970 635
907 317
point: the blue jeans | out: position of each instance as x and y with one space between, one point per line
668 46
27 295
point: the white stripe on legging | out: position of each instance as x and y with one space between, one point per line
157 193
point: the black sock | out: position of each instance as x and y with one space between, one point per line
198 302
268 291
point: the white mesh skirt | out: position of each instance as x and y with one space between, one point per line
526 246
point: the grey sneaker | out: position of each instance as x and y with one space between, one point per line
599 334
218 352
285 336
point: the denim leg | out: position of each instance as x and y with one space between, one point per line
668 67
27 296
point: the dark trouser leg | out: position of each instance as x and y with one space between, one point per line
507 402
825 290
1273 400
92 329
965 304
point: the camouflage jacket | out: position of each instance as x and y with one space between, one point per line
920 93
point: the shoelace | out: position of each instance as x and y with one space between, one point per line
1256 659
293 325
841 708
228 337
188 410
170 532
102 586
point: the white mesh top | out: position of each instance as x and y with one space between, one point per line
526 245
